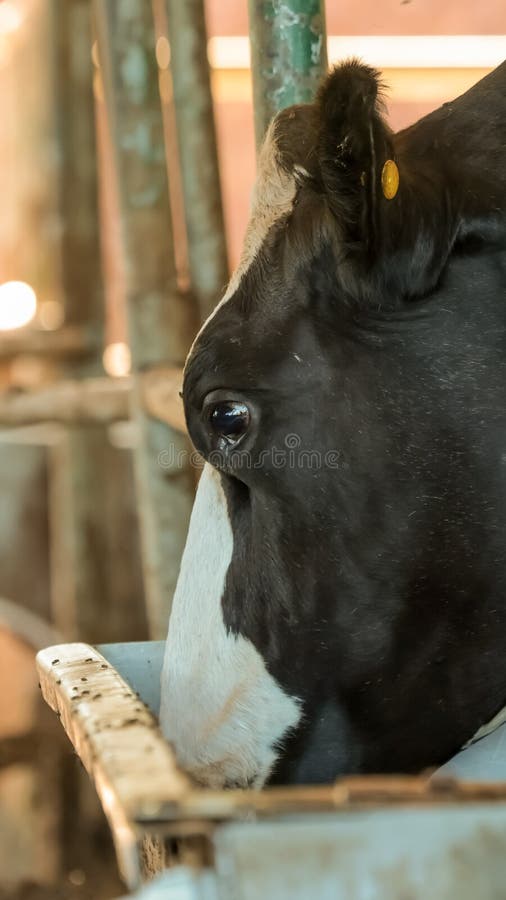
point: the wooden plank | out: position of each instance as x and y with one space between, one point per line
78 551
97 400
80 252
69 401
161 321
161 395
26 625
117 740
69 342
198 154
115 734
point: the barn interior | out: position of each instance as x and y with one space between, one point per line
109 262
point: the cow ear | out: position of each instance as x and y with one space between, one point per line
353 145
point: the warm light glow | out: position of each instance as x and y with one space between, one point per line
403 85
95 58
232 52
18 305
10 17
385 51
51 315
28 372
117 360
163 52
443 51
98 86
124 435
77 877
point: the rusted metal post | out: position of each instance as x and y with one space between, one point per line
288 55
160 321
198 155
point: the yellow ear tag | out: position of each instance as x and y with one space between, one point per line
390 179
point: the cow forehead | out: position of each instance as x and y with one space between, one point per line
273 199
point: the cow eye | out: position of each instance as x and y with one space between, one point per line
229 419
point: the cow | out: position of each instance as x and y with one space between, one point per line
341 603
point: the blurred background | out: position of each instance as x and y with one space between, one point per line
127 157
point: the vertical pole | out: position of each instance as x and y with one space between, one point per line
160 321
84 606
87 517
79 556
288 55
198 155
80 247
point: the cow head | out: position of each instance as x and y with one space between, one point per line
341 605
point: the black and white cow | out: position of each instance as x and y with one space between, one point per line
341 605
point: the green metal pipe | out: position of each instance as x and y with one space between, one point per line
288 55
198 154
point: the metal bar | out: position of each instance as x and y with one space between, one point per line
288 55
160 321
198 155
385 853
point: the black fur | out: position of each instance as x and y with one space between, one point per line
353 144
452 180
374 582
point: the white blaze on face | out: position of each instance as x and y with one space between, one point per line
220 707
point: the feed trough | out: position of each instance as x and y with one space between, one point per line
362 837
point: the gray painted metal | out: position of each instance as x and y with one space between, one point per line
390 854
180 883
288 55
386 854
140 664
483 761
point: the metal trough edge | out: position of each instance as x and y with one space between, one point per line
142 790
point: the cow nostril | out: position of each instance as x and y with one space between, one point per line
229 420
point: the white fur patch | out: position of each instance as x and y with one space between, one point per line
220 708
273 196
